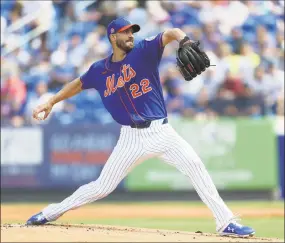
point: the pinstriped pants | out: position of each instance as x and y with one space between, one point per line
133 147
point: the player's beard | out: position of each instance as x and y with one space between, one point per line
123 45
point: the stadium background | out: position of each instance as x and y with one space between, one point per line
233 114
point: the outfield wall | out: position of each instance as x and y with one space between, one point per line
241 155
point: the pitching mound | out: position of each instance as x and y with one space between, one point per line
100 233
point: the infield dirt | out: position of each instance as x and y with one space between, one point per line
100 233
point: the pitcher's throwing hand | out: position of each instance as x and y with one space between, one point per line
42 111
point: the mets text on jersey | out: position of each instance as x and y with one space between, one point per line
128 74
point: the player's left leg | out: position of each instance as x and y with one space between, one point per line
126 155
181 155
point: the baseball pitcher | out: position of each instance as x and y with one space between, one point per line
129 85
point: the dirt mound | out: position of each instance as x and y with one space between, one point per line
101 233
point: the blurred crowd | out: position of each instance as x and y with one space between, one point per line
244 39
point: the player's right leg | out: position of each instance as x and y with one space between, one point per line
127 153
181 155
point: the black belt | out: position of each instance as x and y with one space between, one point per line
146 124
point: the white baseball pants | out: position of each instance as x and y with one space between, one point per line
133 147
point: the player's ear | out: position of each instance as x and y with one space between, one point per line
112 37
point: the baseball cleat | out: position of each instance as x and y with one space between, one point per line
235 229
37 219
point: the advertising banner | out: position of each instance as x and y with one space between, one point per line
21 157
75 155
239 154
52 156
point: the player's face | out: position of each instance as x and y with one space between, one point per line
125 40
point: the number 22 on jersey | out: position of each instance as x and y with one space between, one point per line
138 90
128 73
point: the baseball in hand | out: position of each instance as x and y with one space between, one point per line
41 115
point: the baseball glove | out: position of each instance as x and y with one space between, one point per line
191 60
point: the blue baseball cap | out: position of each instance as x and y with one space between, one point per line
121 24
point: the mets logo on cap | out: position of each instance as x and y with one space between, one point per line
112 30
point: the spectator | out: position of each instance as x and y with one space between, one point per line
61 74
76 51
42 68
40 96
239 69
59 56
275 79
232 91
196 33
97 48
157 12
264 38
209 87
247 52
108 12
223 52
280 49
211 36
226 15
60 7
280 106
250 61
260 88
236 40
13 94
176 102
266 55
